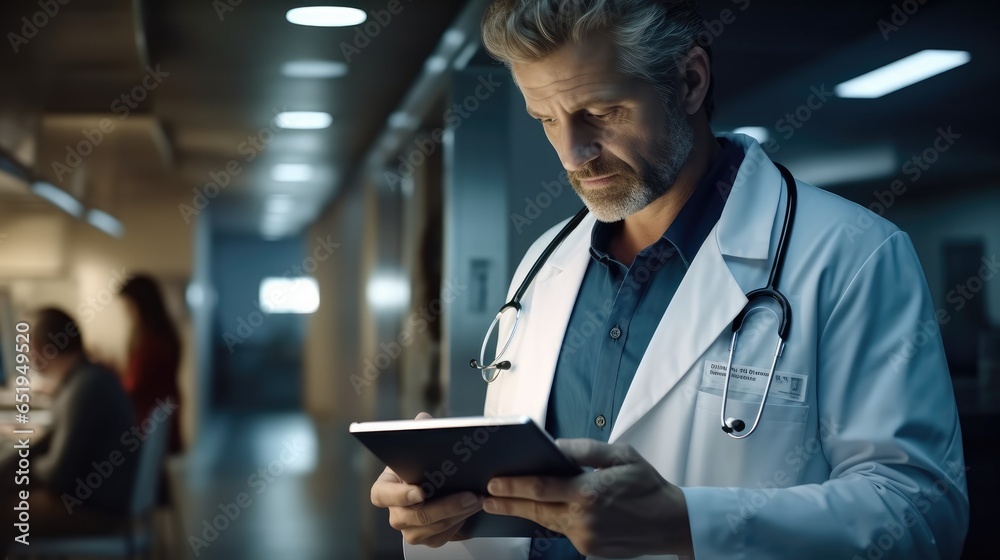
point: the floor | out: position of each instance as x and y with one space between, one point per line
273 486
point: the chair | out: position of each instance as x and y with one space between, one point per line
135 540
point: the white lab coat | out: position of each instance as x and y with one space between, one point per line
869 465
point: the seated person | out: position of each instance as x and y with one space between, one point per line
90 416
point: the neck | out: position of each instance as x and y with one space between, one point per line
642 229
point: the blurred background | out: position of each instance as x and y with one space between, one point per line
333 212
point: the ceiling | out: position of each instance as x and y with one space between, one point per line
219 84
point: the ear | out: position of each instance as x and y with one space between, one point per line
696 72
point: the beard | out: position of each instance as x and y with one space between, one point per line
631 189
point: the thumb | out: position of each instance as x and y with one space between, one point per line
592 453
423 416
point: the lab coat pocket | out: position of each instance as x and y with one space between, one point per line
716 459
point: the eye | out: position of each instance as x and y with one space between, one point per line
602 114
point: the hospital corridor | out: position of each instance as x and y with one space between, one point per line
736 263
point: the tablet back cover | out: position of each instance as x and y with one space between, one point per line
445 461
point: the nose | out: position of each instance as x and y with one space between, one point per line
580 145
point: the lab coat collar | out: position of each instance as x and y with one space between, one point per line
555 290
748 219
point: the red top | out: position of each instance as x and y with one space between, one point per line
151 375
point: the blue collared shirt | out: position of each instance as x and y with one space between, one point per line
616 312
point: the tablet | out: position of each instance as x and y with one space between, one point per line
448 455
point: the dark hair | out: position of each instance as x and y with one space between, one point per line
143 291
54 328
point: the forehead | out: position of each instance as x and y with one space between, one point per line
585 69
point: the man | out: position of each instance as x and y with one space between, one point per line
81 475
626 330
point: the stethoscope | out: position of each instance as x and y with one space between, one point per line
731 426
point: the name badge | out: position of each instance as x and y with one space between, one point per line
751 380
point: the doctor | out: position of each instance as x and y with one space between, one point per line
623 343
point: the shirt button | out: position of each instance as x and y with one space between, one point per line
600 421
616 332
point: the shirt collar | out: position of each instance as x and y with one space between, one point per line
698 215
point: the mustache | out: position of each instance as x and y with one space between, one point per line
599 168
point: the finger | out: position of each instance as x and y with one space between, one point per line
537 488
433 511
390 491
593 453
439 533
423 416
552 516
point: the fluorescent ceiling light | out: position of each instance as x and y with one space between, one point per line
289 295
304 119
105 222
759 133
388 292
291 172
326 16
436 64
903 72
313 69
59 197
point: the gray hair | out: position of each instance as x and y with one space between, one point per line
652 36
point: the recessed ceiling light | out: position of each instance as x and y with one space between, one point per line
304 119
904 72
313 69
326 16
291 172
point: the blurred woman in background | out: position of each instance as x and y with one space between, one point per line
154 352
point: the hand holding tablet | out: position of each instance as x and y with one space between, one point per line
438 470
